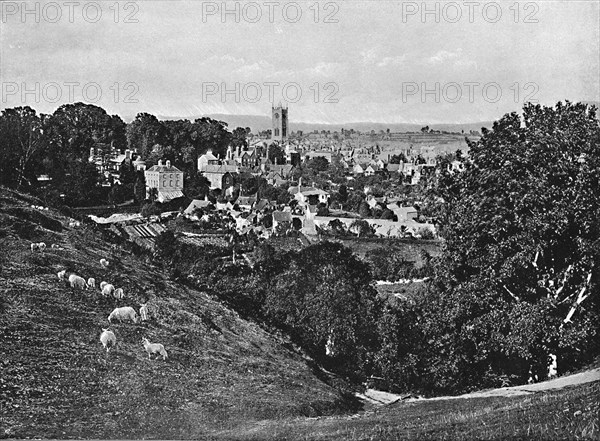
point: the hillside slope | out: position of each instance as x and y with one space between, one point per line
58 382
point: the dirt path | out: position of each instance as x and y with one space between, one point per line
377 397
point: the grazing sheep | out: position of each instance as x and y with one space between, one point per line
154 348
102 285
144 311
123 313
77 282
41 246
61 274
108 339
108 290
91 283
118 294
104 263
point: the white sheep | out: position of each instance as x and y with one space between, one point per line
108 339
41 246
108 290
61 274
104 263
144 311
91 283
77 282
102 285
154 348
118 294
123 313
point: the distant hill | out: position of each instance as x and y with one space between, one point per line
260 122
57 381
263 122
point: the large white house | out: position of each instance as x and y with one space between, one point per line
166 179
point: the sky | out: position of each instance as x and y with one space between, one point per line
328 61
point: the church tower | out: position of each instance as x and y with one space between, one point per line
279 130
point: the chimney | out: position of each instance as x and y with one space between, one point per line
128 154
168 164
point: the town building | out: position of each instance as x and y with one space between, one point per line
279 117
166 179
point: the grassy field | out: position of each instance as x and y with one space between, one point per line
568 414
58 382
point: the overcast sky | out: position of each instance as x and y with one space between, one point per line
375 59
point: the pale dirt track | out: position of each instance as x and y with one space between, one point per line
381 398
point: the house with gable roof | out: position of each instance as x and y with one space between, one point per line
166 179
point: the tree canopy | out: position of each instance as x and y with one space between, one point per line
521 254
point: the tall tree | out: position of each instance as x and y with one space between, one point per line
521 262
21 142
144 132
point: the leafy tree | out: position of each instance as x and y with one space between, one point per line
118 194
21 140
211 135
355 199
323 293
152 194
140 187
248 183
520 267
387 214
318 164
398 158
165 245
239 137
75 128
143 133
81 185
267 221
364 210
322 210
276 154
337 227
150 209
196 185
361 228
127 173
343 194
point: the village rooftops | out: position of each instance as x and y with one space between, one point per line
196 204
246 200
282 216
164 168
306 191
314 191
169 195
220 168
